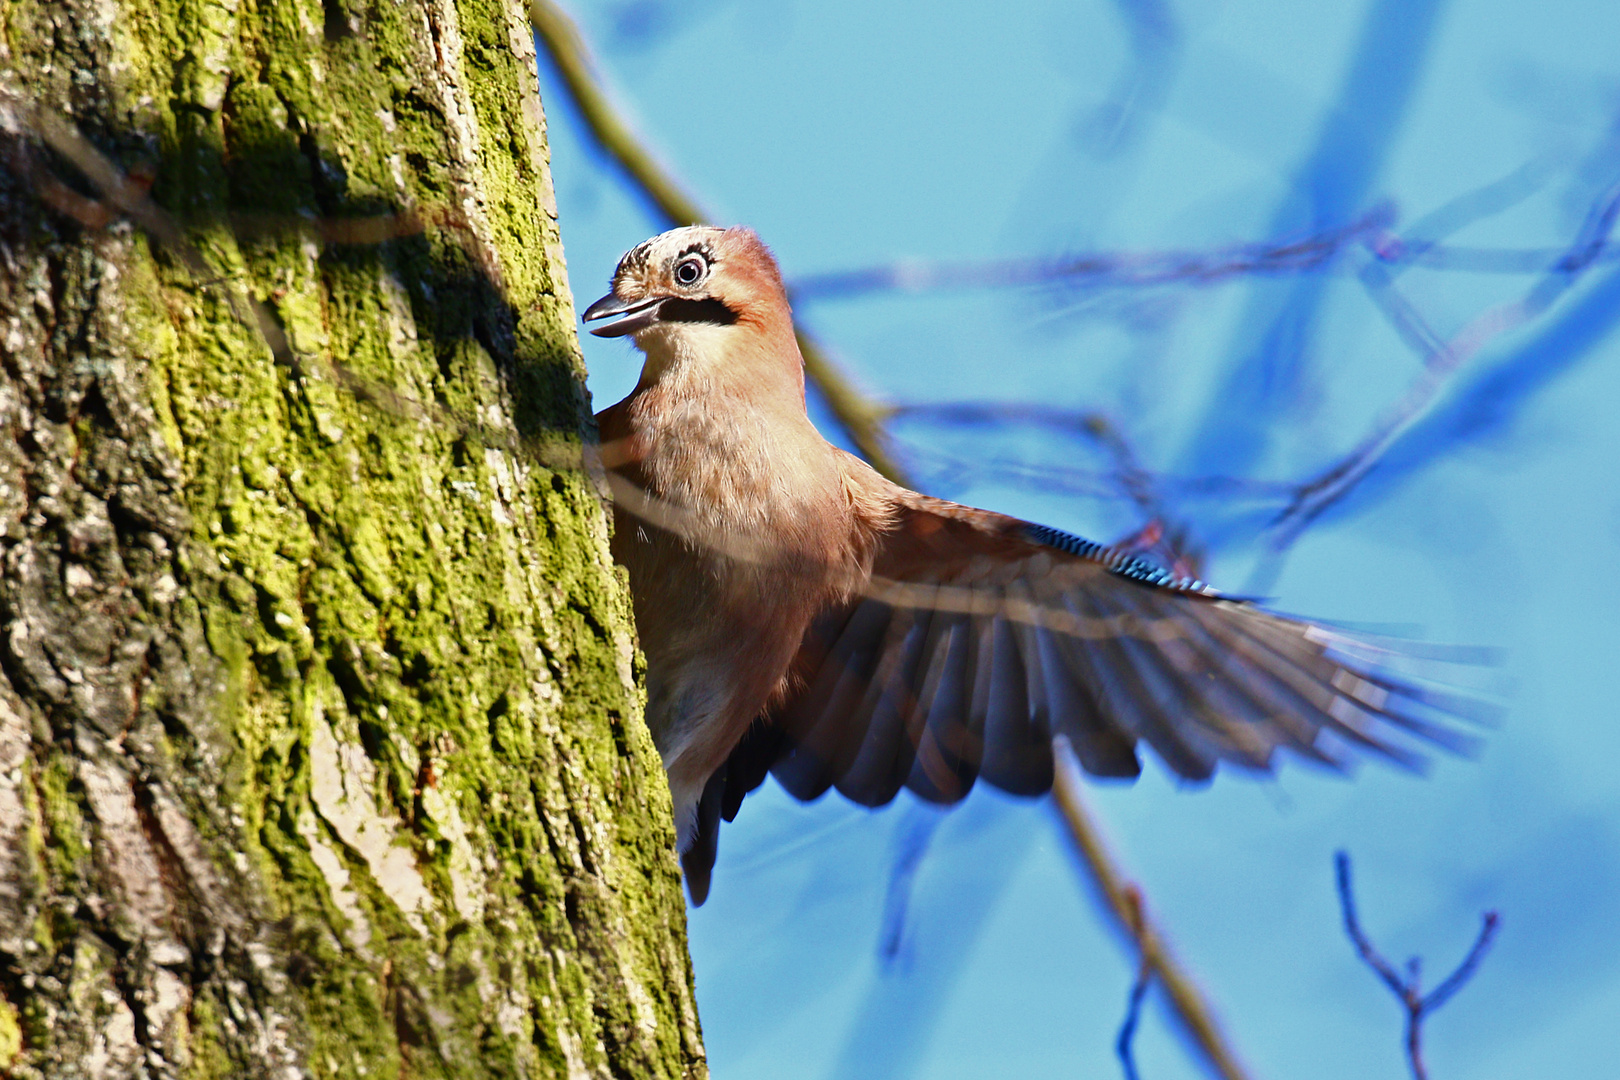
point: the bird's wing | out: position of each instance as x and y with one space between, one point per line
982 637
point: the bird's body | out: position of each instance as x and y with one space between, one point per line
720 631
801 613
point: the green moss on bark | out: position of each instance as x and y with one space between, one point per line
405 763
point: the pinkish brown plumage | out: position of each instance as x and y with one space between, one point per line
802 614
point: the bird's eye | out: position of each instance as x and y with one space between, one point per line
690 270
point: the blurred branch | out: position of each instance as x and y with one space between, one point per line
967 413
1422 242
572 60
1109 270
860 419
1090 483
1408 988
1480 260
1139 988
914 835
1129 477
1172 538
1092 426
1124 270
1124 900
1441 360
1154 41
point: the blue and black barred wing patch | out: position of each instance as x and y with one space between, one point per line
1125 564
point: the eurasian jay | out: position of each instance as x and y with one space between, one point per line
802 615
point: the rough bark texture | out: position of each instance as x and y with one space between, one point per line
320 744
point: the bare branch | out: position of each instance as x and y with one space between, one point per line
1139 988
1478 260
1154 40
1194 269
1465 970
1408 988
1393 254
1423 241
1172 538
863 420
571 59
915 834
1126 270
1112 270
1352 926
1409 324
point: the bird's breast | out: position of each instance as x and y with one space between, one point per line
743 522
744 477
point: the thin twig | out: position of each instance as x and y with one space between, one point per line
1106 270
1135 482
1478 260
1421 246
1094 427
1154 269
1408 988
1124 1044
1128 270
915 834
1133 1015
1123 899
860 419
1092 483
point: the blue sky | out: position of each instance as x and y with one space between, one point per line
850 134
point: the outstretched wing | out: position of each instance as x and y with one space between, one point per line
982 637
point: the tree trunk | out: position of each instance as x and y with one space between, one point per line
321 750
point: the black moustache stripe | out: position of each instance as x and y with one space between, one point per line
708 310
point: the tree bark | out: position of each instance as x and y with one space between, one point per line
321 751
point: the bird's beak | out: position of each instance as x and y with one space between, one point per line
637 314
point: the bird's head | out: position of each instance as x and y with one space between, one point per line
699 291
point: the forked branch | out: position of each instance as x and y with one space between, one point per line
1408 987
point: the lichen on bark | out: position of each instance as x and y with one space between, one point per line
320 740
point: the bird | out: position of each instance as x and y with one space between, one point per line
803 616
